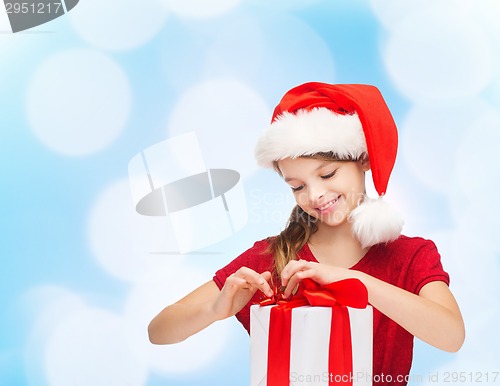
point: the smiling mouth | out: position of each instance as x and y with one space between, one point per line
327 205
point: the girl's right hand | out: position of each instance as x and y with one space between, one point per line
238 289
206 304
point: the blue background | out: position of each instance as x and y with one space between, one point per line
82 274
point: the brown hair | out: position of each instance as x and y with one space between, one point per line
300 226
290 241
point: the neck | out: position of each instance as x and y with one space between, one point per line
336 246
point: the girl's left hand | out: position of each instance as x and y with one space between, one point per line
297 270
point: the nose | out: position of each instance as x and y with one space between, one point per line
315 193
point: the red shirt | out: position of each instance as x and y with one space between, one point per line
408 263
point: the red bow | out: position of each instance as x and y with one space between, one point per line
337 295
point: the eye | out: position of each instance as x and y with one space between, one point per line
329 175
297 188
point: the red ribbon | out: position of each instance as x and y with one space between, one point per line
337 295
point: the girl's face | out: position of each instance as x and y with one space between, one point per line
326 190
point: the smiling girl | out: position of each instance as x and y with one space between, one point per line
322 140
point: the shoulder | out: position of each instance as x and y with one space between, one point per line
258 257
409 262
262 245
259 248
405 251
407 245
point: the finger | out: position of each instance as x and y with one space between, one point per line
256 280
291 285
267 290
294 281
266 275
252 277
291 269
265 286
235 283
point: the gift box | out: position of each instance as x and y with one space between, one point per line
304 342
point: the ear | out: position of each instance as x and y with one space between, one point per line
364 162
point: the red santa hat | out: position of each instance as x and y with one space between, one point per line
348 120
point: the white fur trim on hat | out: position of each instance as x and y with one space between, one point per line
374 221
308 132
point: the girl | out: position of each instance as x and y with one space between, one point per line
321 141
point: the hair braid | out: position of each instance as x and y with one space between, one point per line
288 243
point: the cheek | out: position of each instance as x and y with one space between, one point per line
355 192
300 198
354 197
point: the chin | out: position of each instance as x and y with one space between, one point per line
334 220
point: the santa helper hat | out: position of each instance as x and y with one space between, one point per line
348 120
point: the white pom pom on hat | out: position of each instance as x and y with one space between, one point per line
348 120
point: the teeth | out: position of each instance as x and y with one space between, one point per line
327 205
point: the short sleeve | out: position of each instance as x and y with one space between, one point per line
426 267
257 258
254 258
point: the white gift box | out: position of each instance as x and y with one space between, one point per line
310 337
